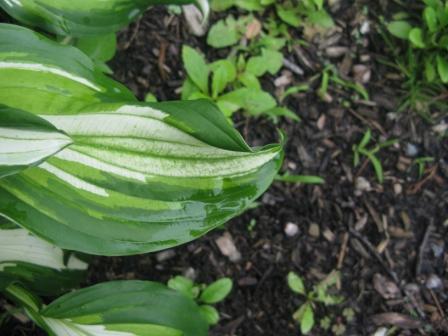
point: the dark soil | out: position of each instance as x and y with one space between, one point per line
389 241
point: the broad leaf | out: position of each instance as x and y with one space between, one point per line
139 177
25 140
124 308
37 264
84 17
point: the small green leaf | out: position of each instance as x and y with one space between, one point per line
296 284
321 18
150 98
365 139
249 80
277 112
273 59
319 4
288 16
196 67
442 68
253 101
416 37
430 69
256 65
224 72
210 314
182 285
400 29
217 291
377 166
307 320
224 33
430 17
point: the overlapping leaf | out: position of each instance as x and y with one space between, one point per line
37 264
83 17
25 140
124 308
138 177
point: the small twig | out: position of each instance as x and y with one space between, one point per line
439 307
418 186
133 36
343 252
373 251
293 67
422 249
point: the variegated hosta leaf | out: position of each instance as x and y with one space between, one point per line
37 264
41 76
25 140
138 177
124 308
84 17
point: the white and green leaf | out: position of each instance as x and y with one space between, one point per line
37 264
124 308
138 177
26 140
84 17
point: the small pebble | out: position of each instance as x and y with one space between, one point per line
433 282
291 229
411 150
227 247
314 230
381 332
165 255
398 188
361 184
365 27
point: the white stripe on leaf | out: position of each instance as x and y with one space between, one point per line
20 246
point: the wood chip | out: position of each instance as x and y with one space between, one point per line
396 319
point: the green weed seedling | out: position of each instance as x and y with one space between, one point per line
204 295
425 48
330 76
295 14
319 295
233 83
421 164
362 150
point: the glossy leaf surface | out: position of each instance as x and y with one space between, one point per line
83 17
25 140
37 264
139 177
124 308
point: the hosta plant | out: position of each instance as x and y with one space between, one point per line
118 308
129 177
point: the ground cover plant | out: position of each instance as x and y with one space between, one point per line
384 239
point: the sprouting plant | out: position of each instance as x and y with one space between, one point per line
330 76
233 83
251 225
204 295
421 58
362 150
295 14
318 295
421 164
